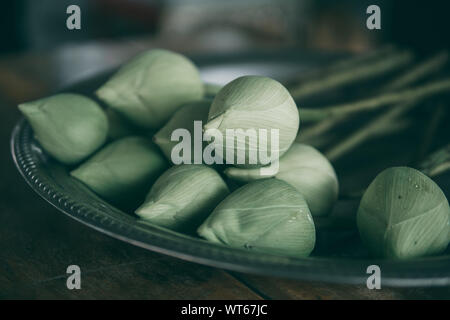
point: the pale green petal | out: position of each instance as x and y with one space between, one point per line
151 87
70 127
183 197
267 216
182 119
123 170
256 103
404 214
306 169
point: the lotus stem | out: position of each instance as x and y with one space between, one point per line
427 137
376 102
372 128
319 128
350 75
417 73
421 71
344 65
437 163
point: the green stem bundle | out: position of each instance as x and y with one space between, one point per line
350 75
417 73
371 129
376 102
344 65
420 71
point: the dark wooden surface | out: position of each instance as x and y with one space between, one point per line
37 242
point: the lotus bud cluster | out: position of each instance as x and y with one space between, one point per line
241 133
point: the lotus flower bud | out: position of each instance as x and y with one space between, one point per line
267 216
123 170
183 197
404 214
68 126
151 87
183 119
259 105
304 168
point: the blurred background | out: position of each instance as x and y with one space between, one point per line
38 52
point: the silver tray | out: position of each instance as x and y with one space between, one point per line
348 264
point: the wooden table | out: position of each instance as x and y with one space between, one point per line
37 242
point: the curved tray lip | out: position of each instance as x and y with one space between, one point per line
430 271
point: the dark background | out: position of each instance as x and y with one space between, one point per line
28 25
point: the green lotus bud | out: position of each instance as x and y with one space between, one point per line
123 170
267 215
306 169
254 105
404 214
183 197
151 87
68 126
183 119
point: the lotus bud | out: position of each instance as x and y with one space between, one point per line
258 105
69 127
183 119
267 216
123 170
151 87
304 168
183 197
404 214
